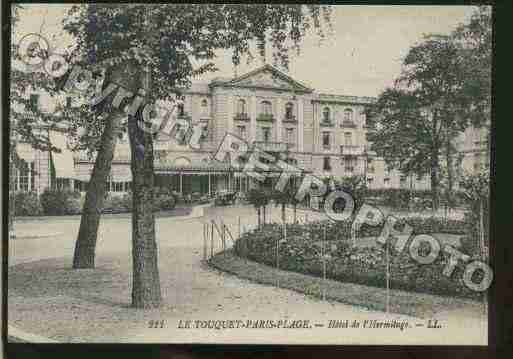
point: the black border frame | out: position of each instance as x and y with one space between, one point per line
500 293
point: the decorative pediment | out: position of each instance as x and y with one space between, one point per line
266 77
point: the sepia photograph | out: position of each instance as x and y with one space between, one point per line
248 174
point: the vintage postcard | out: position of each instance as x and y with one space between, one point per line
249 174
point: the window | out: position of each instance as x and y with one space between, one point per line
34 102
289 133
370 165
32 176
69 101
326 114
204 107
180 109
266 134
121 136
117 186
241 107
370 180
289 111
23 177
63 183
326 140
348 139
386 182
348 115
241 131
327 164
478 163
350 164
266 108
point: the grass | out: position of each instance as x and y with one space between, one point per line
410 303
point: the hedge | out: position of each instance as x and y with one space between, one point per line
363 265
54 202
26 204
163 201
60 202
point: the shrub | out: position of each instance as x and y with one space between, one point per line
399 198
301 250
164 202
117 203
60 202
26 204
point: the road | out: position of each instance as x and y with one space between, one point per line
196 292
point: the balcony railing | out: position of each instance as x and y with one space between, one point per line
326 123
268 146
241 117
290 119
349 168
350 150
265 117
348 124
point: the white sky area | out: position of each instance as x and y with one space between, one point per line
361 57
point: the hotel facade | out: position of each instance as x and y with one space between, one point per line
322 134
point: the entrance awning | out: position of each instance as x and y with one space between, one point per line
63 161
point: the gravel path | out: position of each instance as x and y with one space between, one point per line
193 291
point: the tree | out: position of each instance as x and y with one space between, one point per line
282 198
28 122
474 42
163 41
85 246
412 122
475 190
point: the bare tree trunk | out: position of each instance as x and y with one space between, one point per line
85 246
434 180
258 215
145 280
481 230
12 191
450 172
283 216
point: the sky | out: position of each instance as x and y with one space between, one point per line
361 57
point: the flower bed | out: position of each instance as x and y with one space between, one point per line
301 252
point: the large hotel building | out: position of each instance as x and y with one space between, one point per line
324 134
